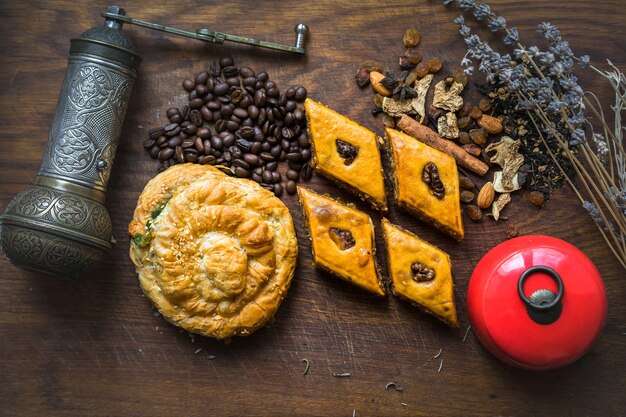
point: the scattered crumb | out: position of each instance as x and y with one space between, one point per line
197 351
438 353
466 333
440 366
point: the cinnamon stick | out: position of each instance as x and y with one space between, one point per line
428 136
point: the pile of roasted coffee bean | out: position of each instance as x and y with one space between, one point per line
238 119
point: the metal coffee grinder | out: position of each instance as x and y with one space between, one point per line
60 224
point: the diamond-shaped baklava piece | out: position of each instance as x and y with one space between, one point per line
426 183
420 273
346 153
342 239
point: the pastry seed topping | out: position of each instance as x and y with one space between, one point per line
346 151
430 175
342 238
421 272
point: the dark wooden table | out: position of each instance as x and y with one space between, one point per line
95 346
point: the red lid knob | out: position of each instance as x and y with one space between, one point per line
536 302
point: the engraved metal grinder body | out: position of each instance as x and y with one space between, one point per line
60 225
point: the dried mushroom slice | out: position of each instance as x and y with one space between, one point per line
420 273
346 153
342 239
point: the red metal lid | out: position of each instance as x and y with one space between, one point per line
536 302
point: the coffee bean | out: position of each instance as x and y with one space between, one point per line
298 114
271 165
248 81
155 133
235 152
187 143
267 176
165 153
260 98
172 111
189 128
267 156
219 161
306 171
201 90
294 156
293 175
291 187
174 141
253 112
266 147
210 84
189 84
180 156
191 157
216 142
230 71
241 172
251 159
196 103
256 148
154 151
246 132
207 146
220 89
226 61
306 154
262 76
149 143
202 77
227 156
198 144
246 101
206 113
224 99
256 177
241 113
232 126
233 81
291 106
227 110
278 190
246 72
300 94
214 105
206 159
303 140
276 177
289 120
244 144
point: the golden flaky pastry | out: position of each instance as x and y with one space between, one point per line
215 254
420 272
410 158
346 153
342 239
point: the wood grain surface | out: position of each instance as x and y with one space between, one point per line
95 347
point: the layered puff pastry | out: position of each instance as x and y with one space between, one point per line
214 254
342 239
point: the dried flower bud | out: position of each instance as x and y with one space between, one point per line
342 238
411 38
430 175
511 231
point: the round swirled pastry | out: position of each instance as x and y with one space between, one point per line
215 254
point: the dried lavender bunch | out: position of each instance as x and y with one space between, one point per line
543 100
